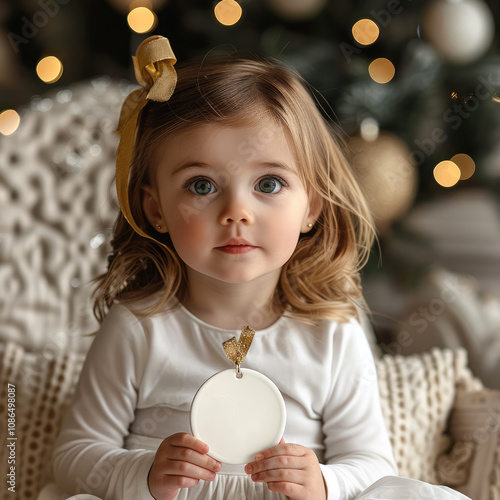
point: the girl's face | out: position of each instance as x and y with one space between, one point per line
231 199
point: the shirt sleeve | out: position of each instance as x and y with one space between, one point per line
89 455
357 447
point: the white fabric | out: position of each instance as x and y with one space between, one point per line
387 488
140 376
400 488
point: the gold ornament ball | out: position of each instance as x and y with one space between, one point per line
460 30
387 175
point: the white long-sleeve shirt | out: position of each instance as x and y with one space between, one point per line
140 377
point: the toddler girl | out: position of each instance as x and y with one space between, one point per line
238 208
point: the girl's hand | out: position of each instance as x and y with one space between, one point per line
180 462
290 469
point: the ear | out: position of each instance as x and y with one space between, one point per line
315 207
152 209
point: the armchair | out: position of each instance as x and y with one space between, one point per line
58 207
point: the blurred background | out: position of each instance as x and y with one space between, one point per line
414 86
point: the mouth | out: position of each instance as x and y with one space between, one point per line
236 246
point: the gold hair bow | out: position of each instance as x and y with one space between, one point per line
154 70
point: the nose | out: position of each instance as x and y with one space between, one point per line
236 210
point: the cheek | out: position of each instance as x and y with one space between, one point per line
284 232
188 231
288 219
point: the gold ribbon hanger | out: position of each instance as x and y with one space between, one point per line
154 70
236 350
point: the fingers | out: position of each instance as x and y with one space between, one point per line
180 462
186 460
281 456
185 455
282 449
185 440
281 468
290 469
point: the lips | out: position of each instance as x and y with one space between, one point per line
236 242
236 246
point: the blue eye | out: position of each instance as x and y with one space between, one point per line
202 187
269 185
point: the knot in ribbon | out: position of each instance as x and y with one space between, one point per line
236 350
154 70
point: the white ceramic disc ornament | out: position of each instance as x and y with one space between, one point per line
238 417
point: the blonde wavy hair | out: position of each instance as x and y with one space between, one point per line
321 280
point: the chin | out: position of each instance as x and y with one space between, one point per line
231 275
236 278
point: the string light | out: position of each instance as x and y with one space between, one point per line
381 70
365 32
228 12
446 173
466 165
49 69
369 129
9 121
141 19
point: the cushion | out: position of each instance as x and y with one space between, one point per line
474 461
43 383
417 393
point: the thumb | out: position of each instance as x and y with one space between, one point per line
282 440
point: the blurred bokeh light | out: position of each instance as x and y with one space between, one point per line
49 69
